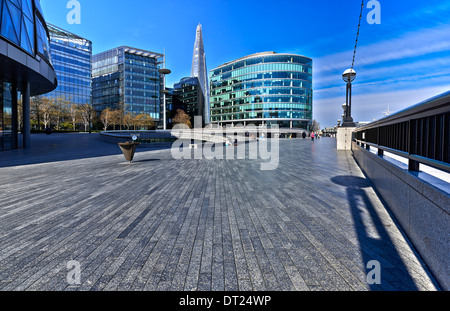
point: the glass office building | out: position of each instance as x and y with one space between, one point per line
72 60
189 93
126 78
263 89
25 67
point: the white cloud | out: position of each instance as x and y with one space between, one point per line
395 73
410 45
367 106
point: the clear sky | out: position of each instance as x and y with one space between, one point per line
400 62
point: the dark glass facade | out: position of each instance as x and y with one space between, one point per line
189 92
72 60
128 78
186 95
25 67
5 116
263 89
18 26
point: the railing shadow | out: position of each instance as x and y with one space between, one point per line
394 274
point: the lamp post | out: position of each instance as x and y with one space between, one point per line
164 72
348 76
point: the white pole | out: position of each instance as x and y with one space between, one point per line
164 92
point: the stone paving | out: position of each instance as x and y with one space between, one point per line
312 224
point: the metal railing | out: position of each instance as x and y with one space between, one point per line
420 133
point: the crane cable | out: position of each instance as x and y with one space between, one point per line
357 34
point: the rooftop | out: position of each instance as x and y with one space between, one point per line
130 50
257 55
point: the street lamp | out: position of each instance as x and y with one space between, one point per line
348 76
164 72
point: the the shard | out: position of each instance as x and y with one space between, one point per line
199 70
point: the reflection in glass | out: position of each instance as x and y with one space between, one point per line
5 116
260 88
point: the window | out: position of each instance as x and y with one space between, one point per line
16 23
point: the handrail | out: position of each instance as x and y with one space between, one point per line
420 133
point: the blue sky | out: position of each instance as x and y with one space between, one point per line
400 62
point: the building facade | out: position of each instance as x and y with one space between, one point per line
25 68
72 60
263 89
128 79
190 95
199 70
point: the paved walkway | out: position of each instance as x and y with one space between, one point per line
314 223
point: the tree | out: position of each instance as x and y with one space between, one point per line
128 120
116 118
47 111
148 122
87 113
143 121
315 126
74 112
60 110
19 113
182 118
105 118
36 103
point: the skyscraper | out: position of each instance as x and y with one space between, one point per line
199 70
72 60
127 78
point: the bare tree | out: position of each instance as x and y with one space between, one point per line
87 113
105 118
74 112
47 111
19 113
182 118
128 120
60 108
143 121
148 122
138 121
315 126
36 103
116 118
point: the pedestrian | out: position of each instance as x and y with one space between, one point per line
312 136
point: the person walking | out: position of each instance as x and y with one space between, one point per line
312 136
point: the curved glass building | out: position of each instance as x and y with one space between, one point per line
263 89
25 66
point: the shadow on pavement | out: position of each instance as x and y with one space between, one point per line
378 246
60 147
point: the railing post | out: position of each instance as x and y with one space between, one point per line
413 165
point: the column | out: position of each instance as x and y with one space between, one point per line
26 115
14 118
